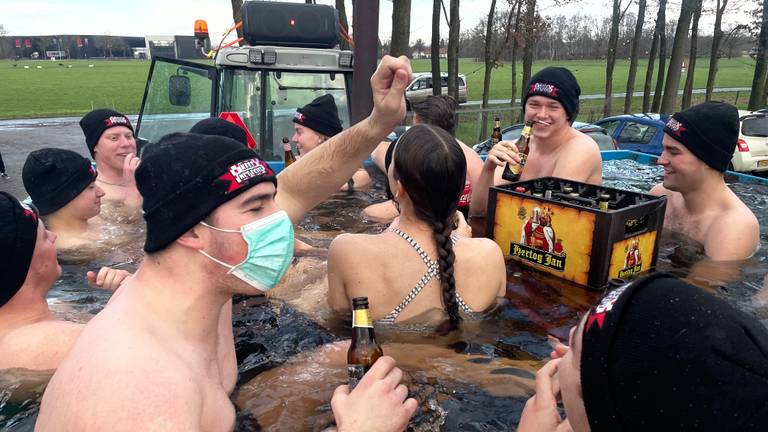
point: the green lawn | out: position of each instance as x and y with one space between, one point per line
61 91
736 72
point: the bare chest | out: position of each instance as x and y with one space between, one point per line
679 220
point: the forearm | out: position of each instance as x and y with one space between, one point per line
323 171
478 205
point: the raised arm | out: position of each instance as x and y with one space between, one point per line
320 173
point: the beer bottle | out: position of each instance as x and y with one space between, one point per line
364 350
496 135
512 172
289 157
603 201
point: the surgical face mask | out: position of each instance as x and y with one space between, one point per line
270 251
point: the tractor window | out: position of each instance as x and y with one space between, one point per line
287 91
178 95
241 94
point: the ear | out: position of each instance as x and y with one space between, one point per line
193 238
399 191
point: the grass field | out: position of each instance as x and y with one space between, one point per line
54 90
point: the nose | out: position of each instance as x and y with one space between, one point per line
99 192
52 236
662 160
295 138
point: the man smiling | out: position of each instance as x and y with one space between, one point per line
556 149
109 137
697 147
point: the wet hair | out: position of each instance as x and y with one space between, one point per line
438 110
431 166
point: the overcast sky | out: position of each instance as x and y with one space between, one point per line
176 17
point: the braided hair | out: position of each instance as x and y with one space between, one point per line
432 168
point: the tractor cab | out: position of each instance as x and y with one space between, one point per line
291 58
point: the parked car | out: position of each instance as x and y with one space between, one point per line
752 147
637 132
512 133
421 87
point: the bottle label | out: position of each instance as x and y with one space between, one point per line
356 372
517 169
361 318
526 132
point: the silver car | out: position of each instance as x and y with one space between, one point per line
421 87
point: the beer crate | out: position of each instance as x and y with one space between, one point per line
557 226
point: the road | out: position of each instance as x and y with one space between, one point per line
616 95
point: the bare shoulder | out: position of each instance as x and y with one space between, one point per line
345 244
660 190
38 346
480 251
133 382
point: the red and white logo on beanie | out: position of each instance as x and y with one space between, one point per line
240 174
597 315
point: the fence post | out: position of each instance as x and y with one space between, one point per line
736 102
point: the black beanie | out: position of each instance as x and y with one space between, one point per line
54 177
184 177
18 234
559 84
221 127
710 130
320 115
660 354
97 121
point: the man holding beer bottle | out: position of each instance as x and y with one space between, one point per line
556 149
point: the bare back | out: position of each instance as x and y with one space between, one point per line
129 371
385 268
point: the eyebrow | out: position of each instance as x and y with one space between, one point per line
259 197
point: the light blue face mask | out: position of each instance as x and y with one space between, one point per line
270 251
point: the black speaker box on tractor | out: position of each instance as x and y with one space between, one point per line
290 24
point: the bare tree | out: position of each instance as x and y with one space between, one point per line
236 6
3 31
401 28
757 98
435 48
515 44
613 40
530 18
661 28
453 50
676 58
714 55
489 63
634 55
342 9
688 91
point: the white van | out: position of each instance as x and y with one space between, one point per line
421 87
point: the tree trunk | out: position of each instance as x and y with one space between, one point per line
633 56
717 38
513 66
613 40
669 100
401 28
649 70
236 6
757 99
530 16
662 56
343 22
435 48
489 60
688 91
453 50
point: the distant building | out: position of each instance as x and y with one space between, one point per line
179 47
